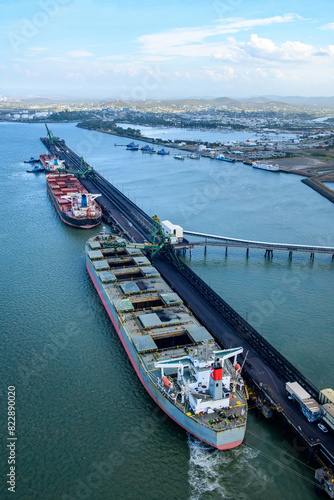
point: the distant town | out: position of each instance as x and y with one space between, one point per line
307 123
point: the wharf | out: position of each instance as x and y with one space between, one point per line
265 368
317 184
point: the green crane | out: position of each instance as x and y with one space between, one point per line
87 168
84 169
52 138
158 240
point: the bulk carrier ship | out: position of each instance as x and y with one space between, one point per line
75 206
51 163
193 380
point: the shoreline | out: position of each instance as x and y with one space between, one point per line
304 166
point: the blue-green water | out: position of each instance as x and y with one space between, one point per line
85 426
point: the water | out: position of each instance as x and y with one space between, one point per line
322 119
86 428
202 135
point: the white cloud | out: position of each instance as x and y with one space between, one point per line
34 51
74 76
30 74
57 59
296 50
112 58
204 42
329 26
261 73
278 74
222 74
189 40
264 48
260 47
76 54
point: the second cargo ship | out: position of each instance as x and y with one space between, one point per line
196 382
75 206
51 163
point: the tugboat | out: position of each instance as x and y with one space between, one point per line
132 147
36 170
149 150
32 160
224 158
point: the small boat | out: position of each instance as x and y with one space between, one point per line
194 156
36 170
179 157
162 152
224 158
266 166
145 148
132 147
149 151
32 160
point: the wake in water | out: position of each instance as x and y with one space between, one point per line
215 474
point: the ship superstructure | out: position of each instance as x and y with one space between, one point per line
51 163
194 380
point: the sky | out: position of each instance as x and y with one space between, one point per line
150 49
